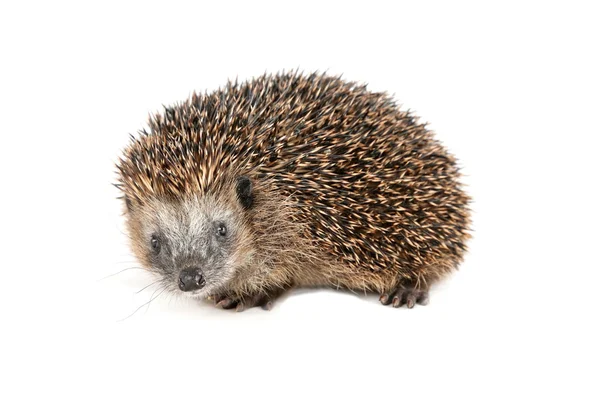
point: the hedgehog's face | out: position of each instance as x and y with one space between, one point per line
195 245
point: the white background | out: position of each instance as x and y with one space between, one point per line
512 89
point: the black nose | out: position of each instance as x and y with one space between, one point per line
191 279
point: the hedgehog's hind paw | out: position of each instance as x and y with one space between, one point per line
408 295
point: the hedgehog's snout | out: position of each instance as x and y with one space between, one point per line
191 279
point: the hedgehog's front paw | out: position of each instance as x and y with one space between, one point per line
263 300
405 295
225 301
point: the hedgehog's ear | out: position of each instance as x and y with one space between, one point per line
243 188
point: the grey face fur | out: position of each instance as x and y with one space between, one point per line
195 233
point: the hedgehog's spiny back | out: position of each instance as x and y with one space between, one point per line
379 191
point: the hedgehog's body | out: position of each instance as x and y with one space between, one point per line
315 181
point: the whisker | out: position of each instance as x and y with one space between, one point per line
161 292
117 273
125 234
147 286
152 298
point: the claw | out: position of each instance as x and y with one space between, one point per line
384 299
227 303
403 295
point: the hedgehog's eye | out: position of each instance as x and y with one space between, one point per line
221 229
155 243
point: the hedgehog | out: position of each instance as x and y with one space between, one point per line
293 180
